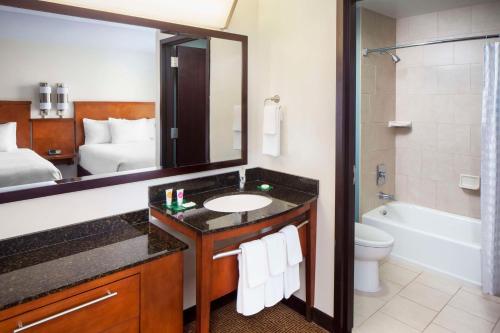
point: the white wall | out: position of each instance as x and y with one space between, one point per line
297 61
291 53
96 60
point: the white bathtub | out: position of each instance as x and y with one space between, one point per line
434 239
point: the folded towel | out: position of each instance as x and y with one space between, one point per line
294 258
276 257
275 289
271 119
293 249
237 118
254 274
271 137
291 280
276 253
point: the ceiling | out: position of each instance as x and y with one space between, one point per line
404 8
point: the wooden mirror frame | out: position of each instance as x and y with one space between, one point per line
77 184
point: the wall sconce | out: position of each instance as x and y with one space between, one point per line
62 99
45 103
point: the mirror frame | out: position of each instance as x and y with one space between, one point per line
166 27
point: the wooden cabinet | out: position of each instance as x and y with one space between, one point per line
146 298
58 133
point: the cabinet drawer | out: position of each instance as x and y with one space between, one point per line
97 310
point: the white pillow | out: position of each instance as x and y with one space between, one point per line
8 137
151 128
96 131
127 131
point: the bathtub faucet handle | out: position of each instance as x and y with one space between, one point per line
385 196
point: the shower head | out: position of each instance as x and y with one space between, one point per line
394 57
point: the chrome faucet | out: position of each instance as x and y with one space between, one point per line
385 196
242 179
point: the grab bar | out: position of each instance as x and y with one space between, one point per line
238 251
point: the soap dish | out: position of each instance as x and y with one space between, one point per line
400 123
264 187
177 208
469 182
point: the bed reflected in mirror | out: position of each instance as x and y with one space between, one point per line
85 99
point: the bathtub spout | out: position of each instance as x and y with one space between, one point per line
385 196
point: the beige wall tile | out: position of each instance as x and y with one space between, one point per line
469 52
438 54
485 17
476 79
453 138
408 161
467 108
402 30
453 79
423 26
422 191
455 22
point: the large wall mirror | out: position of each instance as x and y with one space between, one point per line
88 102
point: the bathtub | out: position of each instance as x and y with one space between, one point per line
439 241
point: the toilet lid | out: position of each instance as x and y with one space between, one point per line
366 235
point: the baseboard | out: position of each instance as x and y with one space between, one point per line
319 317
190 313
296 304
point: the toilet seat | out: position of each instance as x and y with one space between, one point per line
368 236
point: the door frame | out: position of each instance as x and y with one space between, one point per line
167 79
344 166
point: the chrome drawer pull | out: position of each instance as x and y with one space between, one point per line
65 312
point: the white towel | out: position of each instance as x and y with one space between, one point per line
236 140
294 258
293 249
271 140
237 118
254 273
277 260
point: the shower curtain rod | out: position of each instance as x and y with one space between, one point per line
441 41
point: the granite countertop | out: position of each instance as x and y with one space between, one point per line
284 199
43 263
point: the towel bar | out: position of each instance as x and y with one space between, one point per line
275 99
238 251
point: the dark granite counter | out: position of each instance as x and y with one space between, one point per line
43 263
288 193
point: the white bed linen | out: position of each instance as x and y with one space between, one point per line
24 166
113 157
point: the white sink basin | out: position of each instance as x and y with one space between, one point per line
237 203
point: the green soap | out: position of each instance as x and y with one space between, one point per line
264 187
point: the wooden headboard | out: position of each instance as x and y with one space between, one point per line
105 110
19 112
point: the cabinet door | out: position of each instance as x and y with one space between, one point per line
110 308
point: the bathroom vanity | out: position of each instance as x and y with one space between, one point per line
117 274
218 234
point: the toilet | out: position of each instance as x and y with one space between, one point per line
371 246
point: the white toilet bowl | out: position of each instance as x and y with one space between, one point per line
371 246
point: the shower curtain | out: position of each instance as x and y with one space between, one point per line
490 171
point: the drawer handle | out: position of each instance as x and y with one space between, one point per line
65 312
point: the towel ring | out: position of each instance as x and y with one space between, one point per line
275 99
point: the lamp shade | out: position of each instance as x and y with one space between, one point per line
44 92
202 13
62 97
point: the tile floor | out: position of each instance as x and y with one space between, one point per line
415 300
